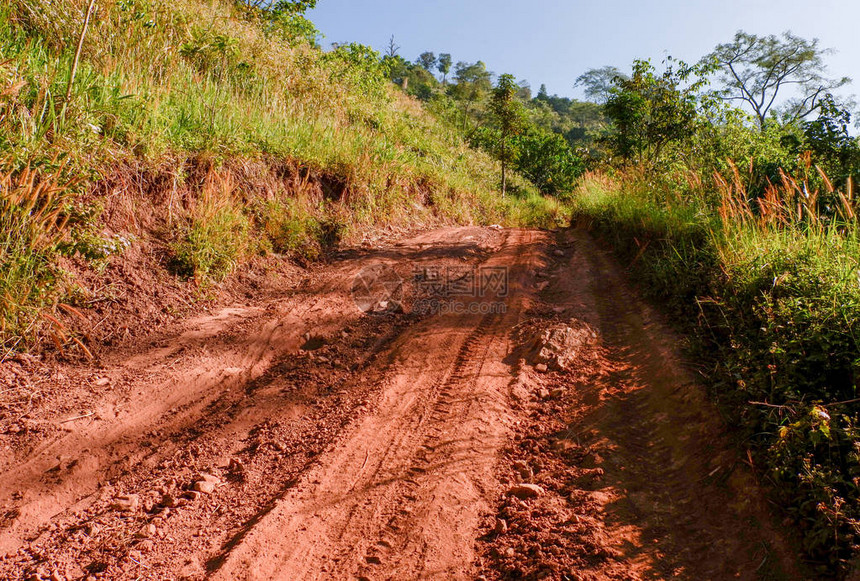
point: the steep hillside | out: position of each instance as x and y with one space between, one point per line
198 136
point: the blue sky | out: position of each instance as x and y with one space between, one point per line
554 41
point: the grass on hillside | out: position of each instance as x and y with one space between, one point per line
770 290
165 88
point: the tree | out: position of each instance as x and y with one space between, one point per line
757 70
443 65
508 115
827 136
524 91
427 60
397 68
597 84
474 82
289 7
294 7
542 93
649 112
392 49
547 160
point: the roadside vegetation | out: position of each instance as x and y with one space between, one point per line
742 221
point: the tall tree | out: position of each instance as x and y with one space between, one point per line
649 112
829 139
597 84
293 7
443 65
756 70
427 60
542 93
509 116
392 49
473 83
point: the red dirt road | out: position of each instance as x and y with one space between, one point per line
300 438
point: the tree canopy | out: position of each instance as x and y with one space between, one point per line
597 84
757 70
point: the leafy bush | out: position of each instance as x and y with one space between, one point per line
546 159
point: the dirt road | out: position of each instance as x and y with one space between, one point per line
302 437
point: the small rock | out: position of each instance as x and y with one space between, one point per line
205 483
559 253
541 368
169 501
524 470
192 495
236 466
147 531
523 491
127 502
204 486
558 310
91 530
102 381
556 393
543 393
501 526
509 553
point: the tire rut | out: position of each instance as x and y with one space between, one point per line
418 468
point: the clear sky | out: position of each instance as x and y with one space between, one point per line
554 41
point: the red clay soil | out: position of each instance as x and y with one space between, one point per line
292 436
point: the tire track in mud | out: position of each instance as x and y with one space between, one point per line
419 469
216 419
467 366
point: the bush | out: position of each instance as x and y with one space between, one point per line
545 158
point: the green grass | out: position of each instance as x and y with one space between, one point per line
775 311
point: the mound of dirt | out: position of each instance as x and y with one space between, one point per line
557 345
